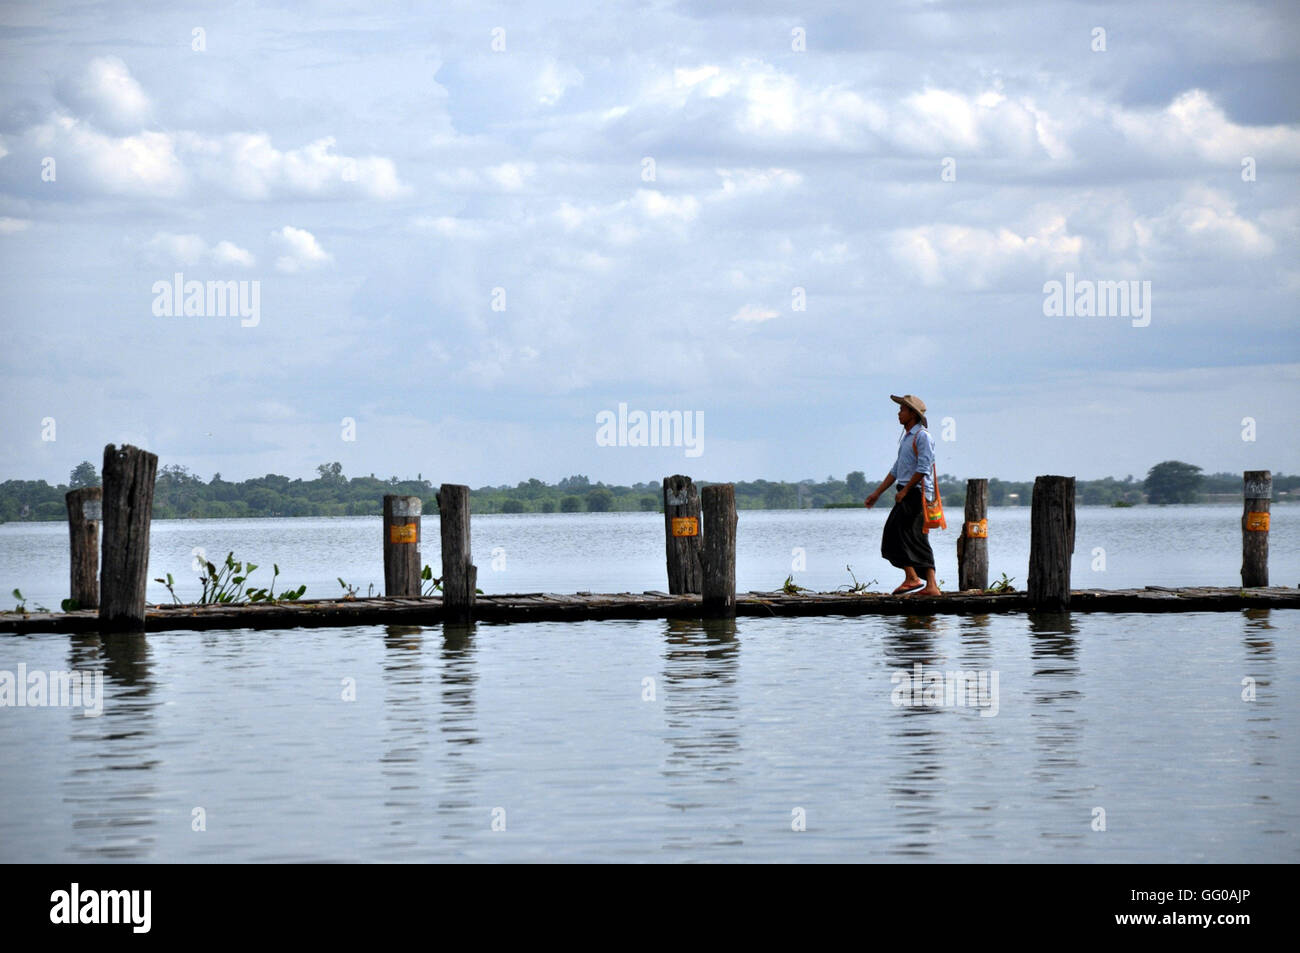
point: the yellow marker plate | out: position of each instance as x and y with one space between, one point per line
404 533
1257 522
686 526
978 530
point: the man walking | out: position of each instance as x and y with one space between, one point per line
904 543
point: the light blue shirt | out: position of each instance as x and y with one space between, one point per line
920 461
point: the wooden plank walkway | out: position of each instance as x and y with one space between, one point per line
544 606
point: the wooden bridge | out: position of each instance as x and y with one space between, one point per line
543 607
700 547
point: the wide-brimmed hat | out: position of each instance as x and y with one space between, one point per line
916 404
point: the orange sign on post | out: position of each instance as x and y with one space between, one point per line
1257 522
404 533
686 526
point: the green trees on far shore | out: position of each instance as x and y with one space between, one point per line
1173 482
182 494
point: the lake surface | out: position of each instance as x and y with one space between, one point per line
624 552
668 740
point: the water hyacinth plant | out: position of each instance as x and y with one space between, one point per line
227 584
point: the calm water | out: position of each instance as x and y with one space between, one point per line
624 552
651 741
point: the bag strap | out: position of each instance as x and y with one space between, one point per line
933 470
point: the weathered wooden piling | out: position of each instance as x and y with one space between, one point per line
682 535
973 542
1051 542
85 510
128 477
402 545
459 574
1258 490
718 553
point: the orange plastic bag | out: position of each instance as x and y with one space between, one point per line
934 518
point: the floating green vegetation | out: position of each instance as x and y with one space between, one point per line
350 591
431 586
22 605
855 586
228 583
1002 585
790 589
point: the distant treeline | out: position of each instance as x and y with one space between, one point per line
181 494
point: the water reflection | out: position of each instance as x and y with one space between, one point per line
458 676
701 709
1255 689
1056 712
977 646
110 788
984 739
407 734
1258 631
915 746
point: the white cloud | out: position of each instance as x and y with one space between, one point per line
301 250
451 227
9 226
655 204
511 176
143 165
650 203
754 314
1193 122
759 100
972 257
554 79
228 253
244 165
1205 222
173 249
737 182
178 249
767 104
108 94
249 166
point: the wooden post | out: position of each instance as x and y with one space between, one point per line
85 510
973 542
128 475
682 535
1051 542
402 546
718 554
459 574
1258 490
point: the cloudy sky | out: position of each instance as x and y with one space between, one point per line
472 227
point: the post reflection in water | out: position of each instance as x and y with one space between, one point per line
983 737
701 710
110 789
1056 712
456 716
915 747
407 734
1257 680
